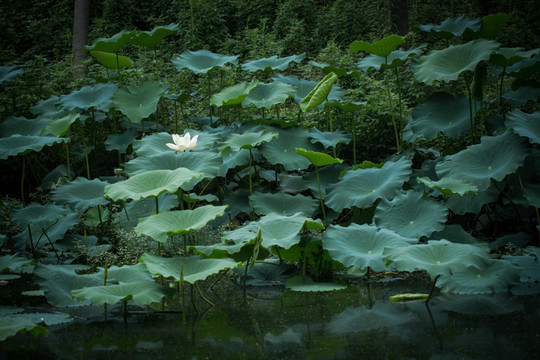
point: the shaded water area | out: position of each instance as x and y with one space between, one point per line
359 322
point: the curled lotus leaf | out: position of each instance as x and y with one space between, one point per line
304 87
60 126
320 93
202 61
450 28
113 43
20 145
492 24
396 58
272 63
152 38
380 48
81 194
318 158
449 185
524 124
233 95
509 56
112 61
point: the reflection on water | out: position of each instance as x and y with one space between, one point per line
357 323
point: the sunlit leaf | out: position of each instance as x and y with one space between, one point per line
319 94
233 95
112 61
202 61
380 48
304 87
139 102
318 158
60 127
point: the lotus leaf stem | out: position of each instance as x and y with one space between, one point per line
50 242
202 296
320 194
22 179
67 160
391 105
432 288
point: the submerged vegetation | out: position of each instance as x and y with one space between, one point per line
154 180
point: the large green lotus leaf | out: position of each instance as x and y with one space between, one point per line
396 58
248 139
283 149
81 194
202 61
13 263
524 124
112 61
304 87
328 176
380 48
98 96
233 95
23 126
492 24
494 158
272 63
283 230
10 326
454 233
328 68
114 43
526 68
450 28
160 226
361 187
441 112
268 95
361 245
152 38
509 56
532 194
57 281
48 108
522 95
60 127
120 142
141 292
489 276
329 138
449 185
318 158
150 184
304 283
446 65
134 210
411 215
238 201
155 143
193 268
472 203
21 145
8 72
282 203
319 94
437 257
139 102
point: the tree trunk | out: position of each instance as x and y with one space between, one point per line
81 18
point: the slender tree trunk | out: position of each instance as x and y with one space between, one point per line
81 18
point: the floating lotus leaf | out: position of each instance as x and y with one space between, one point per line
60 127
411 215
194 268
394 59
114 43
450 28
8 72
361 245
437 257
20 145
233 95
524 124
304 87
97 97
152 38
522 95
202 61
272 63
380 48
329 139
22 126
284 230
139 102
319 94
381 315
455 234
13 263
362 187
446 65
10 326
120 142
441 112
112 61
283 149
160 226
449 185
59 280
81 194
141 292
472 203
282 203
48 319
494 158
304 283
318 158
150 184
248 139
268 95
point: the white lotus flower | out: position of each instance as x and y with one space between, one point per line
182 143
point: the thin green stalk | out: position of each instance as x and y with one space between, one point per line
157 205
432 288
250 181
31 241
501 90
473 132
22 178
399 100
182 290
86 159
320 194
67 159
202 296
391 105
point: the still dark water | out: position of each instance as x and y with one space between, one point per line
357 323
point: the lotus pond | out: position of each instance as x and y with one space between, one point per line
253 228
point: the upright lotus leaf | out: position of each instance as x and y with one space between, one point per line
472 203
492 24
494 158
160 226
153 38
447 64
112 61
393 60
60 127
22 126
10 326
509 56
527 125
411 215
328 68
437 257
141 292
449 185
532 193
268 95
522 95
349 106
328 176
194 268
488 276
48 108
283 149
57 281
272 63
120 142
526 68
202 61
304 283
139 102
20 145
283 231
304 87
98 96
282 203
112 44
319 94
150 184
125 274
318 158
361 187
361 245
454 233
441 112
380 48
329 138
450 28
233 95
248 140
8 72
81 194
13 263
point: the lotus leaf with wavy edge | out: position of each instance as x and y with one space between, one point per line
524 124
450 28
233 95
141 292
282 203
272 63
268 95
139 102
81 194
20 145
283 149
202 61
98 96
